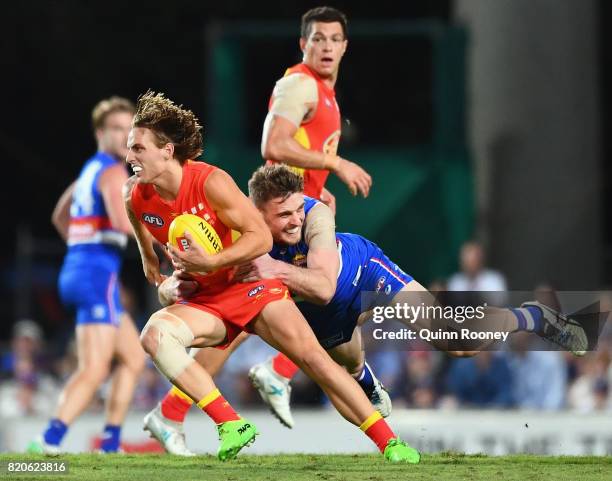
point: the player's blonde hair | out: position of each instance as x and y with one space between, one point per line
109 106
273 181
170 123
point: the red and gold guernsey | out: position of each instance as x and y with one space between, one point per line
235 303
321 132
157 215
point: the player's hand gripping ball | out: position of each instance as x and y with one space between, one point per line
200 232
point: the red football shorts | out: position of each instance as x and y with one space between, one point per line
239 303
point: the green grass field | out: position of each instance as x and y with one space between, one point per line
317 467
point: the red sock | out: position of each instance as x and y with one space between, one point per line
218 408
175 405
377 429
284 366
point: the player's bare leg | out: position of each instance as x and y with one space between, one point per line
131 361
95 346
282 326
165 421
165 337
95 349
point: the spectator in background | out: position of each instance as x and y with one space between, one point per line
421 374
589 391
26 346
483 381
29 384
475 277
540 377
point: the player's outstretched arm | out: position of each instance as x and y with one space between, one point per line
61 213
317 282
150 261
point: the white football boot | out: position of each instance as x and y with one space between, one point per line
380 398
274 389
170 434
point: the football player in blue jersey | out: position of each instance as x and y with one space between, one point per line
91 218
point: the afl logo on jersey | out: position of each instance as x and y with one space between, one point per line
153 219
255 290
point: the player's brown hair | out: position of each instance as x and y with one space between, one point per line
109 106
170 123
325 15
272 181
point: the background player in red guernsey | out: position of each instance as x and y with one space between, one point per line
162 142
302 130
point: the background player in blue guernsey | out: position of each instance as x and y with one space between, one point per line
91 218
330 271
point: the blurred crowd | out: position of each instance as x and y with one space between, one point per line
522 375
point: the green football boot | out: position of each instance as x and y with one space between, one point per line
235 435
398 451
39 446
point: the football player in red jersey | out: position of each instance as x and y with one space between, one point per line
166 182
302 128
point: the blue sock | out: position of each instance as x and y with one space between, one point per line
529 318
111 438
55 432
366 380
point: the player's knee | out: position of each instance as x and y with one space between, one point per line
165 338
95 373
149 340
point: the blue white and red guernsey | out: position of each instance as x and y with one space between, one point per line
364 267
89 275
